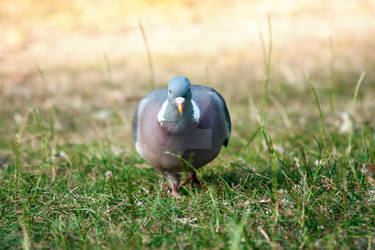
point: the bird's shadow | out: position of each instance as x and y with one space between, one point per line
236 178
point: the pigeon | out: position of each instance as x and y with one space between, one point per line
180 129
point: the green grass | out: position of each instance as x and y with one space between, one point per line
63 199
316 206
70 177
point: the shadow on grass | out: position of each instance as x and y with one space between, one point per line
237 178
243 177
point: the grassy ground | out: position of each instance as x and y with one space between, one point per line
303 189
299 170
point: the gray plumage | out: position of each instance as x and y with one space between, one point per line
190 121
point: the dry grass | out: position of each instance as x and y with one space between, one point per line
73 44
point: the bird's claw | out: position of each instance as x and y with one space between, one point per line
193 181
174 192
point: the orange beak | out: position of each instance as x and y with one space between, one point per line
180 104
180 108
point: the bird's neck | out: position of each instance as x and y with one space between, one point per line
169 115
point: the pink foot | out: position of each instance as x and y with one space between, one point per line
174 192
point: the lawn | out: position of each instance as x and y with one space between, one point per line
303 189
298 172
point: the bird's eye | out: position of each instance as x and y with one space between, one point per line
169 91
189 90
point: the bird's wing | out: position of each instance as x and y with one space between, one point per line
223 107
152 99
219 101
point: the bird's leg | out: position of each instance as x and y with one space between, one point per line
173 178
194 180
174 192
183 183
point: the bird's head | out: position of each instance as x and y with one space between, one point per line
179 92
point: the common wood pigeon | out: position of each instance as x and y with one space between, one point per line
180 129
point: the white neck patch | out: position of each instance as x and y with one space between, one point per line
196 112
161 113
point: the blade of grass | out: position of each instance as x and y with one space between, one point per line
367 155
108 69
148 51
331 79
275 168
26 238
237 231
302 217
267 55
217 213
319 161
359 82
40 73
272 157
317 102
17 148
44 143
